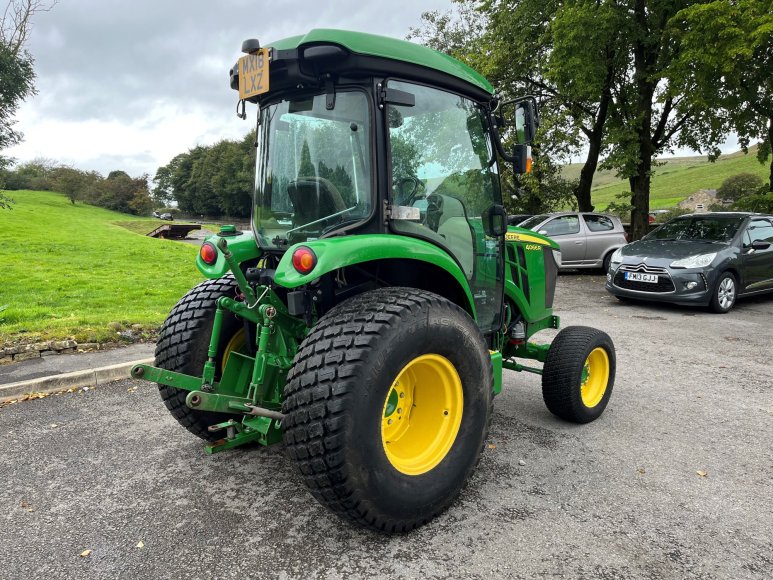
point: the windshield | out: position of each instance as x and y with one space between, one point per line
313 168
533 221
702 228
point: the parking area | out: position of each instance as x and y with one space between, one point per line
675 480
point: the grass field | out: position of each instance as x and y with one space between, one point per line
72 271
677 179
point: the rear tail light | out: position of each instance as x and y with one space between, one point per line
304 260
208 253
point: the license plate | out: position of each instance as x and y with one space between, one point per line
639 277
253 74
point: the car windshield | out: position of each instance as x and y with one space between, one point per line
533 221
313 168
701 228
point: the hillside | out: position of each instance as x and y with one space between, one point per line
71 271
676 179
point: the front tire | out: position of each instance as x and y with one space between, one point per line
607 262
724 295
387 407
579 374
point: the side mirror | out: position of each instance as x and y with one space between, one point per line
760 245
495 221
526 121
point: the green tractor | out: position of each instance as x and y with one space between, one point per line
366 317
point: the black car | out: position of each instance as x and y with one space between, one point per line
707 259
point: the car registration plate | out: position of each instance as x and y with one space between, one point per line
640 277
253 74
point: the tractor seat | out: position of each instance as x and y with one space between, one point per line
314 198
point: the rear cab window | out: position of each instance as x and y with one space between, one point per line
598 223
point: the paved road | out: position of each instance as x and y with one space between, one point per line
107 469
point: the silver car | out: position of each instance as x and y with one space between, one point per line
587 240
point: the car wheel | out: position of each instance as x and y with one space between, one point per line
607 261
725 292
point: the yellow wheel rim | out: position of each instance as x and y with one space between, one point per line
422 414
238 343
595 377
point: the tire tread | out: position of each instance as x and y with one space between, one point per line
321 381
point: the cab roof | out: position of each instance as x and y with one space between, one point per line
389 48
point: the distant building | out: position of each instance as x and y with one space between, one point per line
700 201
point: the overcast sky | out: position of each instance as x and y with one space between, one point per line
129 85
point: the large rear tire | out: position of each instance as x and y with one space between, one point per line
182 347
387 407
579 374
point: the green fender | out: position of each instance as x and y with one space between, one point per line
334 253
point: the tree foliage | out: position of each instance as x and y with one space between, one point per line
606 73
118 192
738 186
725 65
17 73
212 181
759 202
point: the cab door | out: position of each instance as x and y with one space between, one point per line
444 183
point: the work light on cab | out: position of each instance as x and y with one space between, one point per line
304 260
208 253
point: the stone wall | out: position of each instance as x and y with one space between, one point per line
22 352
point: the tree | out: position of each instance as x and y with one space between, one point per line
725 64
737 186
652 112
69 181
120 192
16 83
17 74
216 180
567 53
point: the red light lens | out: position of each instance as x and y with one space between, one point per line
304 260
208 253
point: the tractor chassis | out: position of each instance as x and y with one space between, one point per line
252 386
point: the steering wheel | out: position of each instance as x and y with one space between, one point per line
407 188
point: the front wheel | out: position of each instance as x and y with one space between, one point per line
387 407
579 373
725 292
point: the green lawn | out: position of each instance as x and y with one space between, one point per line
677 179
71 271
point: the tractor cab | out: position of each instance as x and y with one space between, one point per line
350 142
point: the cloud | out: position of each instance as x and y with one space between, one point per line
138 83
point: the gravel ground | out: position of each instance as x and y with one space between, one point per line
675 480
